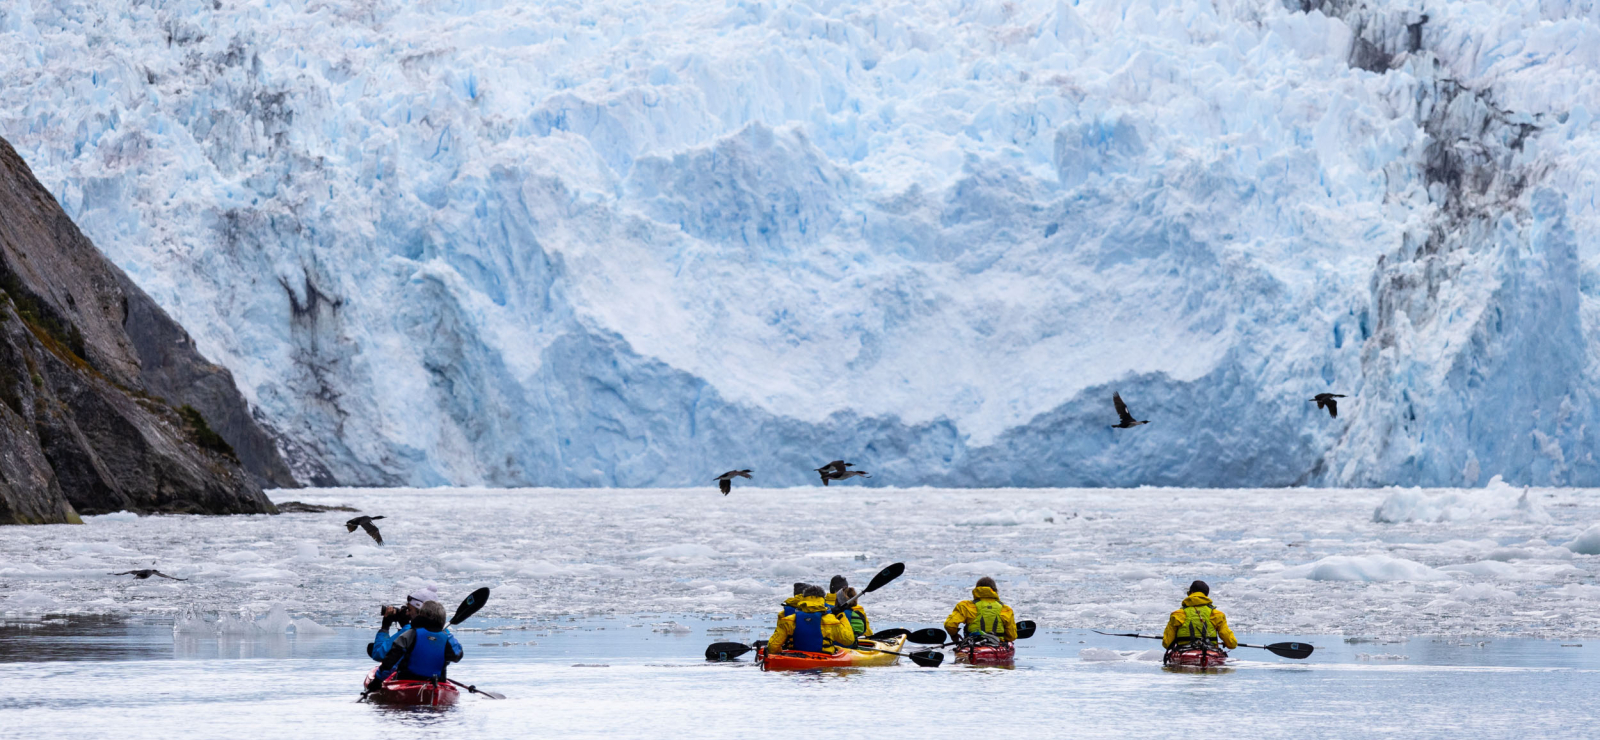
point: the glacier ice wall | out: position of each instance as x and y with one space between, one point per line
638 243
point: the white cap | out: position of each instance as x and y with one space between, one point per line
421 596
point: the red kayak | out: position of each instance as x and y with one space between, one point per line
1196 658
1003 654
413 693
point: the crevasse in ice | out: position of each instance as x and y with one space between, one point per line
638 243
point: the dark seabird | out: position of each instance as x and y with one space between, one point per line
725 481
1325 401
837 466
365 522
1125 419
146 573
846 475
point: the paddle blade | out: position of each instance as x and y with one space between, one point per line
723 652
1295 650
490 694
888 634
928 636
471 605
1025 629
927 658
885 576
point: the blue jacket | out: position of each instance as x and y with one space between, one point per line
416 652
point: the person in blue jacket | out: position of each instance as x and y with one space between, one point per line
401 616
420 653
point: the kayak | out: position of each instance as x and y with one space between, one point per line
862 655
413 693
1004 654
1196 658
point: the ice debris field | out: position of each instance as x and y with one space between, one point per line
625 243
1501 561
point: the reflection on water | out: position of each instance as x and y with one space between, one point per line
607 678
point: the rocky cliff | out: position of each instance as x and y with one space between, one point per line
105 404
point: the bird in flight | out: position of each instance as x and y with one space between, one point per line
1325 401
725 481
1125 419
837 466
365 522
146 573
845 475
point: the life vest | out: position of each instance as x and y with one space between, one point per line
1196 627
428 653
988 618
858 621
807 635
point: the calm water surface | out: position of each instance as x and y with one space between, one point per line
618 677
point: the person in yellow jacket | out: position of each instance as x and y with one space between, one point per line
984 614
855 614
811 628
1198 622
788 604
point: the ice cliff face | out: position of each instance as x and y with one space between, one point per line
641 243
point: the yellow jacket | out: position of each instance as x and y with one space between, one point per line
966 613
834 630
791 601
1218 620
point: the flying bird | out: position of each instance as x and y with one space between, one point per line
845 475
1125 419
725 481
837 466
1325 401
146 573
365 522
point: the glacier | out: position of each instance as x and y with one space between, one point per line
637 243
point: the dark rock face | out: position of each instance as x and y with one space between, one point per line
104 402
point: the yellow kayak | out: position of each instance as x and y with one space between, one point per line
864 654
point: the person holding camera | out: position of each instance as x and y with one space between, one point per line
398 615
421 652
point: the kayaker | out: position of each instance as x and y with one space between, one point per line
788 604
402 616
811 628
855 614
1198 624
422 652
985 614
835 585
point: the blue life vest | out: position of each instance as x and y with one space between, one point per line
788 609
808 632
428 653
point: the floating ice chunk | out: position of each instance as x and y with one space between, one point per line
683 552
1012 518
1102 655
462 563
980 568
1370 568
1135 573
99 548
1270 566
1495 502
1381 656
276 622
1153 654
258 575
188 622
245 556
30 601
304 627
1587 543
306 551
112 518
671 628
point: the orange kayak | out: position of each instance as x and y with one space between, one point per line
1196 658
1004 654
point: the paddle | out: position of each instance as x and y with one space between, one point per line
476 690
471 605
878 581
1295 650
924 658
936 636
726 651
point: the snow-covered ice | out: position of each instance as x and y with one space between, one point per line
1299 561
637 243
